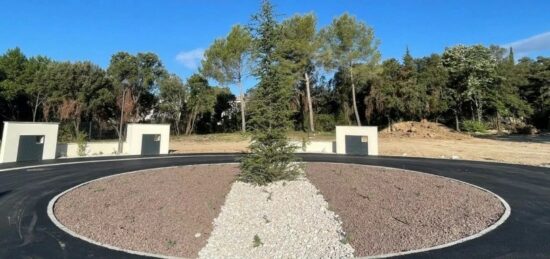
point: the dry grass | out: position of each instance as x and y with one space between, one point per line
425 140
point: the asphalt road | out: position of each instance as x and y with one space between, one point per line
27 232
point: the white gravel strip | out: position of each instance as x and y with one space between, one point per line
289 220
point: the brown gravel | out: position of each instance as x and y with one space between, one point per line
157 211
391 210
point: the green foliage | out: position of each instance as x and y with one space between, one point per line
271 154
172 93
298 45
473 126
472 72
141 74
325 122
81 140
226 59
345 43
201 100
256 241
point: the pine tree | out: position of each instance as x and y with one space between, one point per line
271 154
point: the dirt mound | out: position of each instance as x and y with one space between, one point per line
422 129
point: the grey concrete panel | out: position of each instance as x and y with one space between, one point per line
355 145
31 148
150 144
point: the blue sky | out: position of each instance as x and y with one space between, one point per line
179 30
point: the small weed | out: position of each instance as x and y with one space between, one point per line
266 219
170 243
99 190
257 241
417 194
284 183
268 194
345 239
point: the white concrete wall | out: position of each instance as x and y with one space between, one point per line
134 132
370 131
315 147
102 148
13 130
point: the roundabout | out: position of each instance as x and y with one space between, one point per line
28 231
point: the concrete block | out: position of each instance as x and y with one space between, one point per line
28 141
357 140
148 139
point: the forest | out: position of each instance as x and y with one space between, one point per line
336 74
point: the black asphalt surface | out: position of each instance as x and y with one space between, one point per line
27 232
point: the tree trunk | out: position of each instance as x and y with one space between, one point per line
190 122
346 113
472 111
243 118
35 108
309 105
498 123
389 123
178 119
353 97
457 126
479 107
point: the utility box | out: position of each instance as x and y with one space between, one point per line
148 139
28 141
357 140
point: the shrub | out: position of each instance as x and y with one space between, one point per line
473 126
325 122
525 129
81 142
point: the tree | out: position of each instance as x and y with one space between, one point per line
345 43
12 65
84 86
201 100
472 72
503 98
411 94
432 77
271 154
299 45
173 94
142 73
37 73
383 96
226 61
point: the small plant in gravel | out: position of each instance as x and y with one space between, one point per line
346 238
170 243
257 241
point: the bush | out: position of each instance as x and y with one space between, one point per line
325 122
473 126
81 142
525 129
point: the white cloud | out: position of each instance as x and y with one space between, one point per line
190 59
539 42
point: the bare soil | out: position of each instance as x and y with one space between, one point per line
414 139
391 210
165 211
